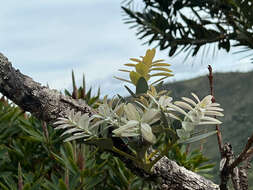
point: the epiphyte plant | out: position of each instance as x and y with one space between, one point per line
143 122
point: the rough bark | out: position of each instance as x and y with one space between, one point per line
178 178
48 105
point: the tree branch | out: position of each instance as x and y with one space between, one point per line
246 153
48 105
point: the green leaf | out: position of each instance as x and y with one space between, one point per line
73 80
93 182
67 93
27 127
207 166
3 186
172 50
62 185
130 91
141 86
27 187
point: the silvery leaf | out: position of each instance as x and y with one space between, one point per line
147 133
178 109
182 134
75 137
84 121
69 131
131 112
214 108
188 126
195 96
96 124
165 101
214 113
77 116
129 134
189 101
211 119
64 126
150 116
71 115
183 105
172 116
97 116
132 124
60 122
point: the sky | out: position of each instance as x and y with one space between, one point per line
46 39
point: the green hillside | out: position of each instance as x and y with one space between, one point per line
234 91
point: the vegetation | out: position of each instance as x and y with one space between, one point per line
33 155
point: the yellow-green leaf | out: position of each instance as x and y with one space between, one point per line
161 69
123 79
130 64
142 69
135 60
150 54
157 61
158 80
134 76
124 70
162 74
161 64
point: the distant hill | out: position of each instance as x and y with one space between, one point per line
234 91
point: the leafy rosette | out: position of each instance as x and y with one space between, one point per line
138 123
202 112
76 124
147 68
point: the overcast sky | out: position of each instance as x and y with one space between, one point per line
46 39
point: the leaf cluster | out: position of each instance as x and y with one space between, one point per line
143 122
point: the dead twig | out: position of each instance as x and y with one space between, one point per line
219 136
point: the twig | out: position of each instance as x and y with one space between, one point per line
227 159
246 153
219 137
